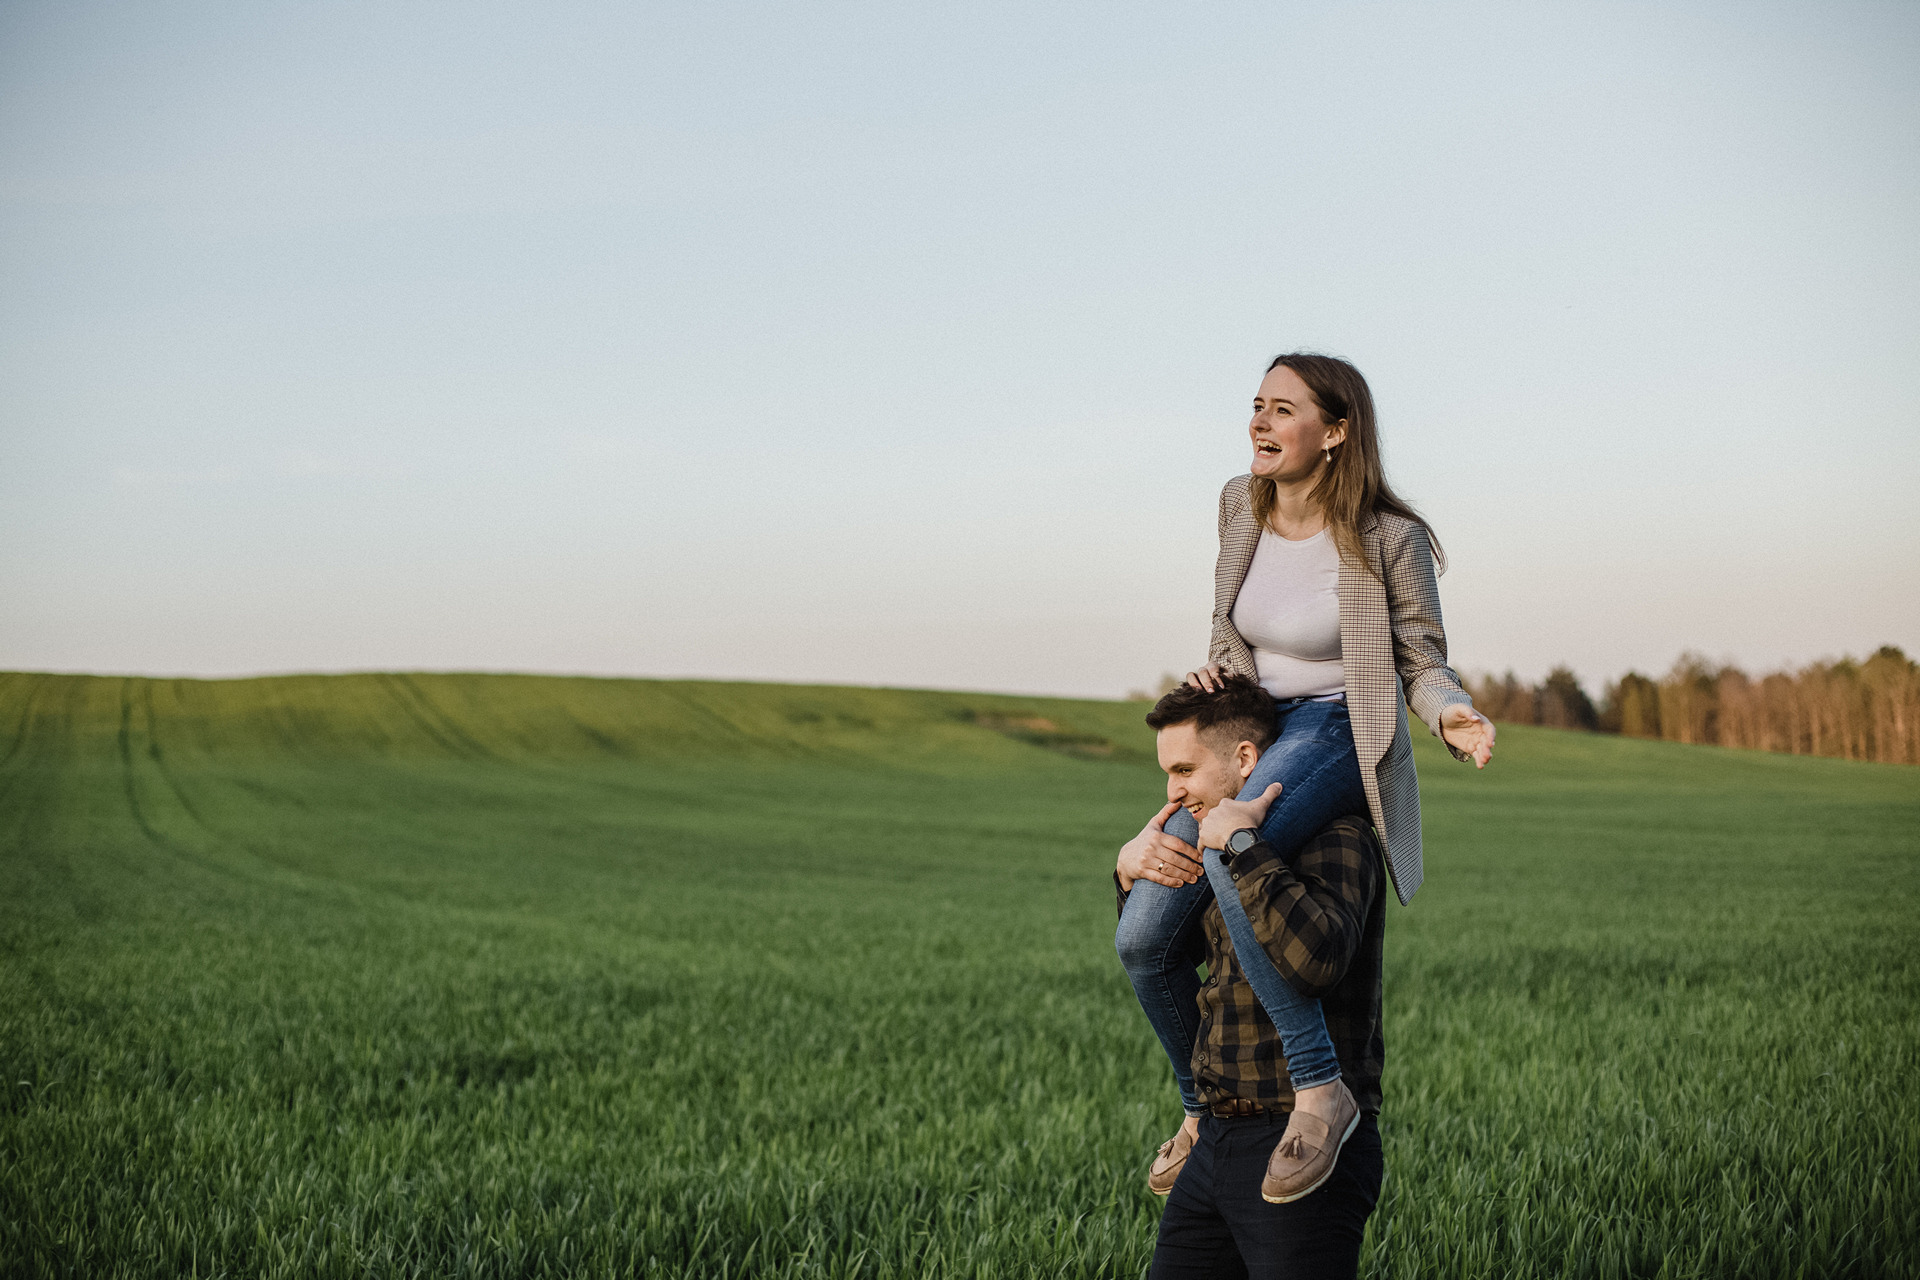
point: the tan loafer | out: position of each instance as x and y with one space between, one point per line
1168 1164
1308 1151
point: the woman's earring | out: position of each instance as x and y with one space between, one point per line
1329 454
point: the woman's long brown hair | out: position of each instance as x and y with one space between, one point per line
1354 485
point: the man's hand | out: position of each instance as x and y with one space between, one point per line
1229 816
1465 729
1154 855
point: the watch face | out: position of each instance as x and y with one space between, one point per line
1240 841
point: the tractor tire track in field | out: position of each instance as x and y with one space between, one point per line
11 778
21 729
127 780
737 735
603 741
130 782
40 742
160 764
216 855
430 720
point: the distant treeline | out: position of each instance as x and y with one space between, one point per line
1855 710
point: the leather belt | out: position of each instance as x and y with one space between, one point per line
1235 1108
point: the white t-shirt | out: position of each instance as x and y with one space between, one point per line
1288 612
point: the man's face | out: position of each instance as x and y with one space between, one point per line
1198 777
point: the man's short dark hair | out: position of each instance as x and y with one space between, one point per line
1237 710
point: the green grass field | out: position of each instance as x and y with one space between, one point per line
515 976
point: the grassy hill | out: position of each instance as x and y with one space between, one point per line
520 976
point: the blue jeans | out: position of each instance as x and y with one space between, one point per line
1159 938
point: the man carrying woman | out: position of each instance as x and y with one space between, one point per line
1316 920
1325 596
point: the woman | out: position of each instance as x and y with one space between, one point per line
1325 593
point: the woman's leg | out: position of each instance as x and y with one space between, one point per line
1314 761
1160 946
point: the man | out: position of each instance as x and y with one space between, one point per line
1320 920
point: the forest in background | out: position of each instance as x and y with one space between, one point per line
1866 710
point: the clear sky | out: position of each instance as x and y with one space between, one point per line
893 344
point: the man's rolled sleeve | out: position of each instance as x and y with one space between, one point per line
1309 916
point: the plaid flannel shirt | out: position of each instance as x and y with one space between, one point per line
1321 919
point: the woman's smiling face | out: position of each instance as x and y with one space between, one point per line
1289 434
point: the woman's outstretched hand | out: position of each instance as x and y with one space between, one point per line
1465 729
1154 855
1206 677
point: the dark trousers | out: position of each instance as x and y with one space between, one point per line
1216 1224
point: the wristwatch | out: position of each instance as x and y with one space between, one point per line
1242 840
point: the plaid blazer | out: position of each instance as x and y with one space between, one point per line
1392 646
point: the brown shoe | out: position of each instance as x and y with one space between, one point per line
1308 1151
1168 1164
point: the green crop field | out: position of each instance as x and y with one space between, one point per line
511 976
